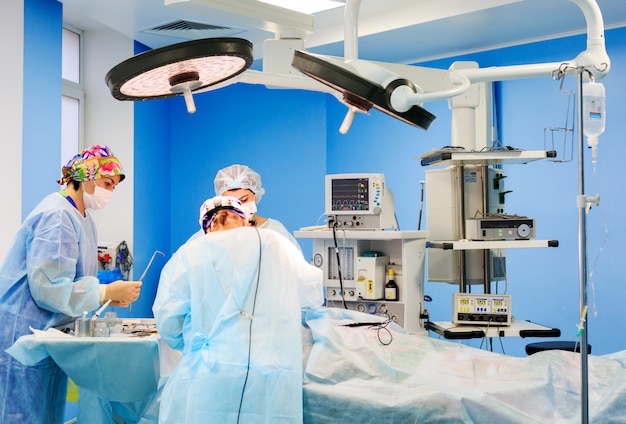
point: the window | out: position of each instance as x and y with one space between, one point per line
72 95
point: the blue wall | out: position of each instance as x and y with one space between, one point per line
281 134
41 143
152 207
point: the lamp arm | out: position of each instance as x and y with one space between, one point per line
402 98
350 30
271 79
594 59
276 80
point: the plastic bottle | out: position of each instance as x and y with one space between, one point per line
594 114
391 288
102 329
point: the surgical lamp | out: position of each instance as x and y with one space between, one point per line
360 92
179 69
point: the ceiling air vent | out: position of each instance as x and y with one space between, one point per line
192 30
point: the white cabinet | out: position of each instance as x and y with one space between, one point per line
405 250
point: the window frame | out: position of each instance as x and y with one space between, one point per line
75 90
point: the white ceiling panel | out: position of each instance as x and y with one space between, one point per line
399 31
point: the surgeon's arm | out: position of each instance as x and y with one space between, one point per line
306 276
172 303
51 263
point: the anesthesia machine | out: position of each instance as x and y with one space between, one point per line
358 252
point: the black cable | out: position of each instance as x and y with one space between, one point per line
383 326
419 219
501 345
343 300
484 339
256 290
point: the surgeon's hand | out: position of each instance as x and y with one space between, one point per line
122 292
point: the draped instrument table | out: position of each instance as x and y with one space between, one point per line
122 368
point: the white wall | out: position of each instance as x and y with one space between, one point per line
11 101
110 122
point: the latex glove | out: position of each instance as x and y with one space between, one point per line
122 292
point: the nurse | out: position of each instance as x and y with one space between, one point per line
243 183
49 277
231 301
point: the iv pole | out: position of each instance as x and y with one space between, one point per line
582 252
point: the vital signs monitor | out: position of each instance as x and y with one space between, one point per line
359 201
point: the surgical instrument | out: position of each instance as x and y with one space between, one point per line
145 271
102 308
150 263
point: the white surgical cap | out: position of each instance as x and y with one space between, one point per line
238 176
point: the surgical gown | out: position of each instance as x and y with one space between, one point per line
47 278
231 301
273 224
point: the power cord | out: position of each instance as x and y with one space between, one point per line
379 326
251 317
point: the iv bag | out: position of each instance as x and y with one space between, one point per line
594 114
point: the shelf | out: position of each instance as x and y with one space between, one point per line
490 244
467 331
361 234
445 157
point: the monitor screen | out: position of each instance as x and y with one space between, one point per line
350 194
359 201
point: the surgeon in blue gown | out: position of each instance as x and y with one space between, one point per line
49 278
231 300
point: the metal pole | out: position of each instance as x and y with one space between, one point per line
582 253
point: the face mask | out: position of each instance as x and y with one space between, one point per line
99 198
249 207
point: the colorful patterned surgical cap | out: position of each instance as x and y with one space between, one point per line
238 176
95 162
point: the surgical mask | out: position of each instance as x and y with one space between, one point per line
99 199
250 207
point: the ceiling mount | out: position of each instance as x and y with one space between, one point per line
179 69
